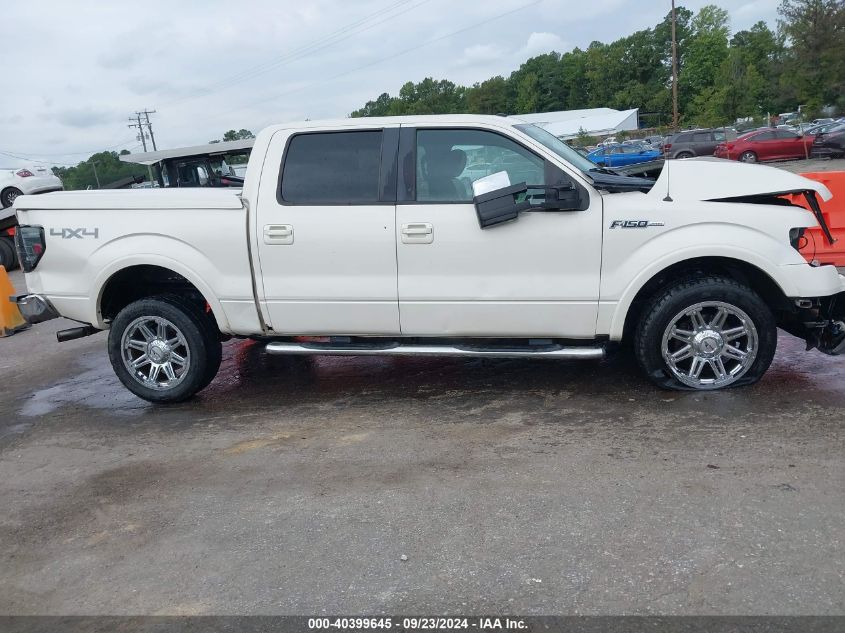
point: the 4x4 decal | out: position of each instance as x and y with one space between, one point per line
67 234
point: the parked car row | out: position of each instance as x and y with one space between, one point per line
623 154
26 180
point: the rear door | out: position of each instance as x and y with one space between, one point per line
326 232
765 145
791 145
537 276
704 143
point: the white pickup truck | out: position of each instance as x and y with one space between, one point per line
436 235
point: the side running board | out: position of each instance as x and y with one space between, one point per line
398 349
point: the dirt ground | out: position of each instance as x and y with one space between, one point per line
379 485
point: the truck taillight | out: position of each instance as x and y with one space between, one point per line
31 245
24 173
667 147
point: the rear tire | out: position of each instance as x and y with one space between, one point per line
7 198
684 155
748 157
705 333
8 258
164 349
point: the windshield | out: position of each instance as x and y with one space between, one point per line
560 148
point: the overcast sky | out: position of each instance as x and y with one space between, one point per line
75 71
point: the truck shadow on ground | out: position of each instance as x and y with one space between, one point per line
251 382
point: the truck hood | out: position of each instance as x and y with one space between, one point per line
134 199
710 178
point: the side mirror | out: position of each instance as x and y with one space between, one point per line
503 204
500 205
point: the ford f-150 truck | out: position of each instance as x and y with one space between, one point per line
437 235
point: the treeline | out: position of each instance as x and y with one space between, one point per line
108 169
721 76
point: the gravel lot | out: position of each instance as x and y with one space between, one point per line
297 486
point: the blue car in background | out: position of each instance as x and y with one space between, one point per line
623 154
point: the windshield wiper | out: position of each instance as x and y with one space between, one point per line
605 170
612 182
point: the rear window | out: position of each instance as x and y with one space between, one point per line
683 138
701 137
332 168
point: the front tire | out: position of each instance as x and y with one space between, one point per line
163 350
706 333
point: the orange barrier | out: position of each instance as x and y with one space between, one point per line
11 320
816 247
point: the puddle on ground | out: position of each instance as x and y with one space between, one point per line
94 386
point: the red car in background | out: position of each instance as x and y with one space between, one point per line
770 144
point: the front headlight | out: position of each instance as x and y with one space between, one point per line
797 239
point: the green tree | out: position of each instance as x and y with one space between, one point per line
380 107
815 67
493 96
763 49
720 77
240 135
527 94
109 169
706 51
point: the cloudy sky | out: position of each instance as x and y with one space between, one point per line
75 71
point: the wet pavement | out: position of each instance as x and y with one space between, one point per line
296 485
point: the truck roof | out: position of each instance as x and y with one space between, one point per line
427 119
209 149
229 147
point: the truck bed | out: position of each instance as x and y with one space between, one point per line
91 235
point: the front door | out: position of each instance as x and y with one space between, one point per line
325 232
535 277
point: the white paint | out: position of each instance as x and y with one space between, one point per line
346 269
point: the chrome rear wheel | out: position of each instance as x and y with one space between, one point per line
155 352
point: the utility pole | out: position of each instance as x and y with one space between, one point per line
674 72
147 114
96 175
140 127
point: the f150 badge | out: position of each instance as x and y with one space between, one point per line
634 224
82 233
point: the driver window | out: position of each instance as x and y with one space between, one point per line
449 161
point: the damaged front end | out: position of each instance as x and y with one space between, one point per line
820 322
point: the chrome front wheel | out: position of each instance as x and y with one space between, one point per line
710 345
155 353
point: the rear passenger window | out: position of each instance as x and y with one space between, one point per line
332 168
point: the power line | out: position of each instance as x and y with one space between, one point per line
333 38
26 156
384 59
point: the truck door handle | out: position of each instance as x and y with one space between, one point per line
417 233
278 234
